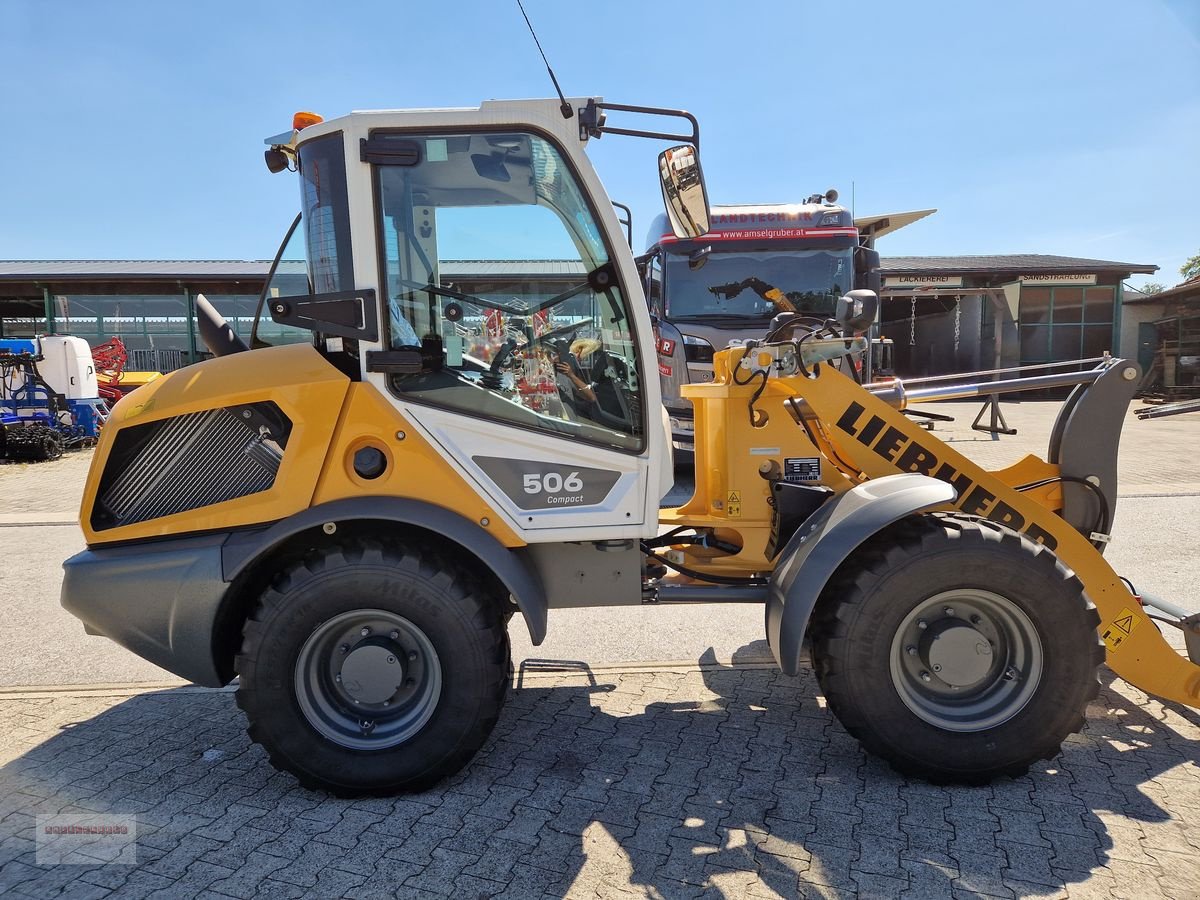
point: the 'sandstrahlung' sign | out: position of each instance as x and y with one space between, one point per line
1061 278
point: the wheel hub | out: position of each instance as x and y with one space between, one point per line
966 659
368 679
372 673
960 655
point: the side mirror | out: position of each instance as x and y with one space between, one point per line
683 191
866 267
856 311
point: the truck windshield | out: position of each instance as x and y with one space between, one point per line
758 284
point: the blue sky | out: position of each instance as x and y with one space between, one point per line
134 129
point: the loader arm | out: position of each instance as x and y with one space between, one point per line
869 439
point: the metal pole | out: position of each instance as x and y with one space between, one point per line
998 425
1008 386
899 395
48 308
926 379
710 593
190 303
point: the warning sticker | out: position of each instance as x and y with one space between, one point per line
733 505
802 468
1120 628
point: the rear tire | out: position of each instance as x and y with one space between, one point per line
957 650
373 668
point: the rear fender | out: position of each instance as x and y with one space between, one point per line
509 566
826 540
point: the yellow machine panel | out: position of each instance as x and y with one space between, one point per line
414 469
294 377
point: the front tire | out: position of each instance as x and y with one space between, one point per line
957 650
373 668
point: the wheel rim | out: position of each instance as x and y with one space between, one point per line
966 660
368 679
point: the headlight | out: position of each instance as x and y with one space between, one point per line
697 349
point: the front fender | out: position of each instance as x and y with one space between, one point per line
826 540
509 566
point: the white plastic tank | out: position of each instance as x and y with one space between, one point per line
68 366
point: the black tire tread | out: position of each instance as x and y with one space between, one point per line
483 610
848 589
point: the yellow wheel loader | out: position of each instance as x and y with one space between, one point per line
348 522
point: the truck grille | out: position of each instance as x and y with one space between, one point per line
190 461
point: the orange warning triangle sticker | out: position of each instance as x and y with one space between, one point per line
1125 623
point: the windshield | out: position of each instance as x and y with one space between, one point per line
758 284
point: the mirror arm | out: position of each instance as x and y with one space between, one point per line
591 122
255 343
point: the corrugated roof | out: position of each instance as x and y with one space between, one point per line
1014 263
1188 290
132 268
202 269
480 268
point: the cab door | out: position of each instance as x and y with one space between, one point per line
497 274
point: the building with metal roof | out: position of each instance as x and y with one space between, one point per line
1010 264
1165 329
964 313
943 313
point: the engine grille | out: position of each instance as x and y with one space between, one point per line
190 461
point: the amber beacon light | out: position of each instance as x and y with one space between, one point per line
303 119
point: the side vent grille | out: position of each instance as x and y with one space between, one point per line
190 461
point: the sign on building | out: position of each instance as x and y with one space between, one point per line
1062 278
919 281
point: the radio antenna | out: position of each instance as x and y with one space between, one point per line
567 112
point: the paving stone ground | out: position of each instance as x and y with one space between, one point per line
705 781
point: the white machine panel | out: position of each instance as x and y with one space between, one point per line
542 482
68 366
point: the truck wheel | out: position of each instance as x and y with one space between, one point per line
372 668
957 650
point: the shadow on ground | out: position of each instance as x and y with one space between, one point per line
721 781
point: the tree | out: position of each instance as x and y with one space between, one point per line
1152 287
1191 268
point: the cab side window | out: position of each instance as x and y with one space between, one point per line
491 253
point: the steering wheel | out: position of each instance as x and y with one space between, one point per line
613 394
491 378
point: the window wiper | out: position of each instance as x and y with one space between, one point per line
516 306
518 309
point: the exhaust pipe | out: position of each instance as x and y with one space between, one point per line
218 337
